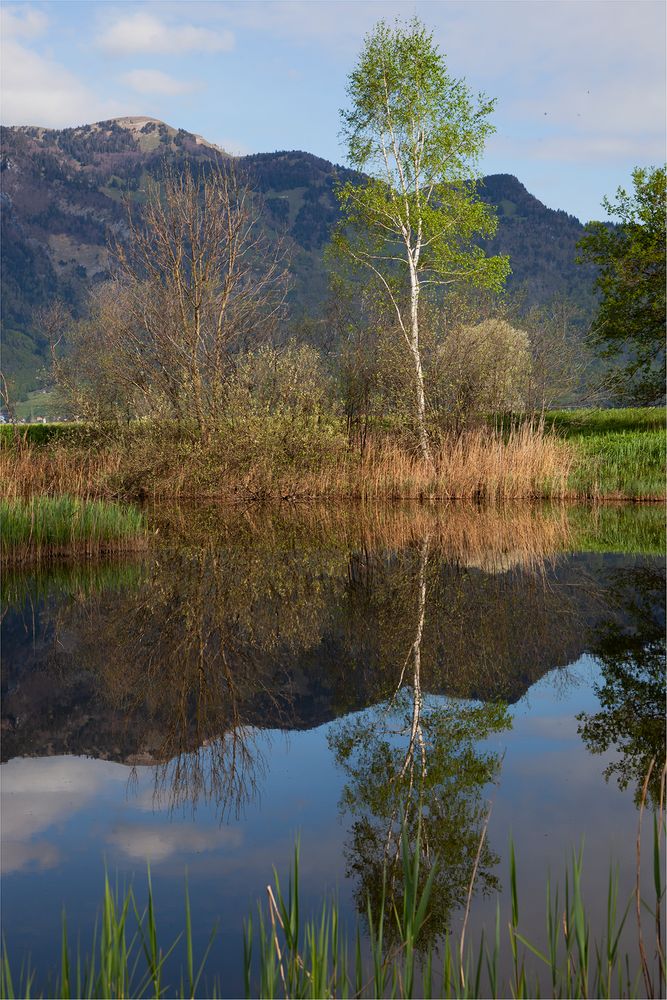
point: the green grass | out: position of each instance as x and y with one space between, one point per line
44 527
620 454
580 423
287 955
43 434
623 465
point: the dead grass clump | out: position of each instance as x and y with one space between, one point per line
56 470
524 464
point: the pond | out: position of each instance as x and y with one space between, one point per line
489 675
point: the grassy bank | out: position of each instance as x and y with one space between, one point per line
289 956
620 454
585 454
44 528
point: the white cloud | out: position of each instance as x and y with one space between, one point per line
38 793
600 149
596 67
16 857
577 148
143 32
22 22
39 91
153 843
154 81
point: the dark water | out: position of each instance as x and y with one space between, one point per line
320 674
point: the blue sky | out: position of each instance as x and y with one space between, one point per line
580 84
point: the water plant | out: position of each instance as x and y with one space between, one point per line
44 527
317 957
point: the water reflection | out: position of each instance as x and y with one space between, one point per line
239 623
631 651
414 771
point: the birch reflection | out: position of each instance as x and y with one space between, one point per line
414 770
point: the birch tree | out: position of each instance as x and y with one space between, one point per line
417 133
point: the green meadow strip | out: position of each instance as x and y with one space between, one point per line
589 423
620 464
621 453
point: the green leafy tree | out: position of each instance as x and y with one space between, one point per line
631 257
417 133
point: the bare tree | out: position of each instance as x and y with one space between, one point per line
194 280
86 359
563 368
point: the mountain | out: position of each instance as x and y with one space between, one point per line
74 679
62 191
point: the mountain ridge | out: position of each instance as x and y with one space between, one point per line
61 192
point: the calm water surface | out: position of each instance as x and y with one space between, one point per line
254 678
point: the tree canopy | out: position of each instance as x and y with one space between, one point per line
417 133
631 256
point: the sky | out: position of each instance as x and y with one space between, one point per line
580 84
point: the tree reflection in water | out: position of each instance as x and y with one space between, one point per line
630 648
241 622
414 769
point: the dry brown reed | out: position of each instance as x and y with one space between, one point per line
525 463
30 470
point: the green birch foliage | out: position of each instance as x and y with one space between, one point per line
417 133
631 257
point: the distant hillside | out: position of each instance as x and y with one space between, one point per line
62 192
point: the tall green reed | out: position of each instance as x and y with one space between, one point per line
285 955
43 527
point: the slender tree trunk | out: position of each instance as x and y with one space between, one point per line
416 734
419 373
416 744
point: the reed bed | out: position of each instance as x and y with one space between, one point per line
483 464
524 464
285 955
47 527
56 470
579 456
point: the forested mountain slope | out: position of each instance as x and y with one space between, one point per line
62 193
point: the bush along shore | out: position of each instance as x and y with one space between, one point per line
579 455
43 528
285 955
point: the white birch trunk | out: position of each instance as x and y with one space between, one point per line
416 359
